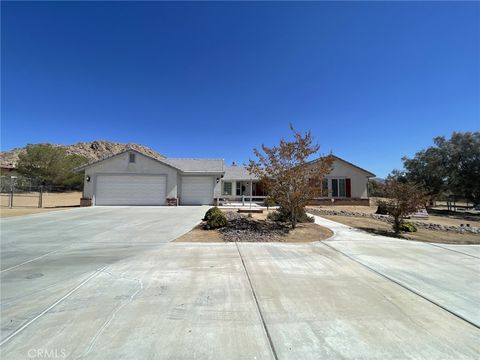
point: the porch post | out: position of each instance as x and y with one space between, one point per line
251 192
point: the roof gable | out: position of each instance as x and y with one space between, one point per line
95 162
336 158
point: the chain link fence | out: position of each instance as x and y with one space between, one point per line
24 192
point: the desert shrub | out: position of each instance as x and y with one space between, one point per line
274 216
381 209
211 212
269 202
283 215
214 219
408 227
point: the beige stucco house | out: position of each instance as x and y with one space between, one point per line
133 178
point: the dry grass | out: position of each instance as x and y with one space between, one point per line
448 220
25 204
308 232
382 228
197 234
6 212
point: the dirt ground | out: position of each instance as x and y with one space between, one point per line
25 204
382 228
197 234
455 220
303 233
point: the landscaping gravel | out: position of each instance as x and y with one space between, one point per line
245 229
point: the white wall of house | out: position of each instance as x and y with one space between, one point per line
217 191
358 178
120 165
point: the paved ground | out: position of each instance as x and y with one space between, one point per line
448 275
105 283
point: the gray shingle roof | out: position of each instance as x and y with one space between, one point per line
237 173
197 165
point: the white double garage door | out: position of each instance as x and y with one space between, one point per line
137 189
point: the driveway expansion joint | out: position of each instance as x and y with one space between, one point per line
45 311
403 286
262 319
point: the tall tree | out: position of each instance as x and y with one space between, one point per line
290 179
451 166
51 165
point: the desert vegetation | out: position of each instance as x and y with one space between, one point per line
228 225
289 178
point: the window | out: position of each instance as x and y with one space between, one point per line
240 188
338 188
334 187
324 187
341 188
131 158
227 188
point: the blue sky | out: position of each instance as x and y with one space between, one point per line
373 81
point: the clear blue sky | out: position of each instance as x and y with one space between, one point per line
372 81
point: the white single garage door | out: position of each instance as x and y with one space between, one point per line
130 189
197 190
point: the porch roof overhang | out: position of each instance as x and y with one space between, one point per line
238 173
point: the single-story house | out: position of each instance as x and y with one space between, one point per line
133 178
345 184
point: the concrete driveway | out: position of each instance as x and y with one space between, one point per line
105 283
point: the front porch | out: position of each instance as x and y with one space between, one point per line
241 193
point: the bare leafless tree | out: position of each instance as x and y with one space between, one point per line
290 179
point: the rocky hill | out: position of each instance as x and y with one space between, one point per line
94 150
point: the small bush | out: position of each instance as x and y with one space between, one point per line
274 216
269 202
211 212
282 215
381 209
408 227
214 218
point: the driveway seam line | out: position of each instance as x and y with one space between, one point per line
403 286
264 324
29 261
31 321
457 251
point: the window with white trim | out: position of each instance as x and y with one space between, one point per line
339 188
227 188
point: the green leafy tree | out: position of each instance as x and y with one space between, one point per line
289 178
451 166
401 200
51 165
375 188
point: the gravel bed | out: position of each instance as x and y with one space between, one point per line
244 229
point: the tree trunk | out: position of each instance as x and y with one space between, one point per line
396 225
293 216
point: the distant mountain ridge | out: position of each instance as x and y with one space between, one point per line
94 150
